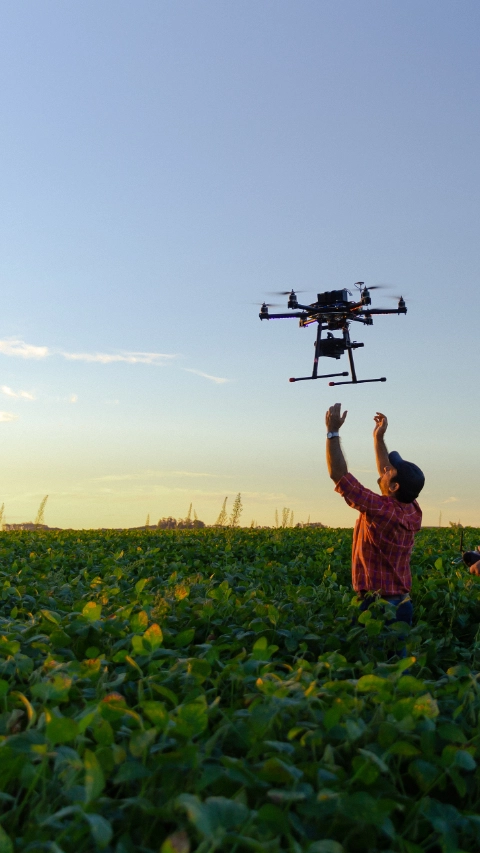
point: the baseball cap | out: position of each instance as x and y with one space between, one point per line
410 477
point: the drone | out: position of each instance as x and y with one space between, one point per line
333 311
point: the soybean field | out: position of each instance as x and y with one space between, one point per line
218 690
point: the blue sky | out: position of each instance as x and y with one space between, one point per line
164 166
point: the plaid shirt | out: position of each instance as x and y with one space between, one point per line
382 539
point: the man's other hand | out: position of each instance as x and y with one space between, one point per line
475 569
334 419
381 425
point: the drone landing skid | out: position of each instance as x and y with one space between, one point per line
325 376
359 381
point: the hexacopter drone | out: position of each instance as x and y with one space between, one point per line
334 311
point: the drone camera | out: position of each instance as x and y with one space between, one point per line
332 347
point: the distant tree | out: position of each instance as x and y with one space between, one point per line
167 523
40 519
2 515
147 523
222 518
276 518
189 516
236 511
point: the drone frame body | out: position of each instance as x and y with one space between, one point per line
334 311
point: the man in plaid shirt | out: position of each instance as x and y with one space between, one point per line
385 529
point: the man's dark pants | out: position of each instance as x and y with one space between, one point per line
403 611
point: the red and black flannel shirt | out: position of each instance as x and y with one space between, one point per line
382 539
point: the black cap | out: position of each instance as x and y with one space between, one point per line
409 477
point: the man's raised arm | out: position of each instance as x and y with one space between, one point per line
336 464
381 452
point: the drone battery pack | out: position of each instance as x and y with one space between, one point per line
333 297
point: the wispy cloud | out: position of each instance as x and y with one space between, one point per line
217 379
20 349
73 398
451 500
5 417
23 350
127 357
25 395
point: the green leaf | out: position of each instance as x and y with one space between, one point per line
409 684
375 759
156 713
364 617
94 778
61 730
130 771
404 749
56 689
92 611
191 719
50 617
451 732
9 647
464 760
139 622
373 627
275 819
153 637
6 845
102 731
184 638
214 817
140 585
141 741
372 684
100 828
438 563
4 687
424 773
325 846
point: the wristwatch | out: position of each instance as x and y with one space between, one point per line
333 435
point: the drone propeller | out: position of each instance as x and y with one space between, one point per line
267 304
285 292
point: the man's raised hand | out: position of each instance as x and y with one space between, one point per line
334 419
381 425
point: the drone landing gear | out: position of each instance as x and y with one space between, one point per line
359 381
354 381
325 376
334 348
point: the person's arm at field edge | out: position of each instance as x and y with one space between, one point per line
381 452
475 569
336 464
